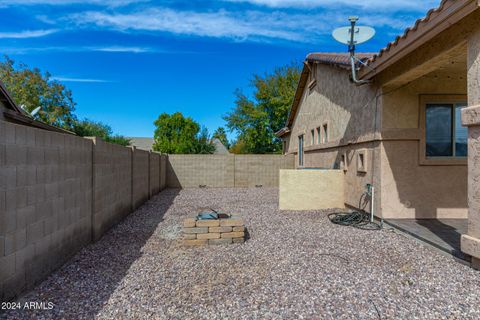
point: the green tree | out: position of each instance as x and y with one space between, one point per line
221 135
176 134
89 128
32 89
204 143
238 147
256 120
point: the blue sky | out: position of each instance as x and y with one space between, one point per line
127 61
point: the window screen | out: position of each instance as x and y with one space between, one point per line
445 135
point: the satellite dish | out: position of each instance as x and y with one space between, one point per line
352 36
360 34
31 114
34 112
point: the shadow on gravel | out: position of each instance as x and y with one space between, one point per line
84 285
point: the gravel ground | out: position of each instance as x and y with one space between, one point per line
294 266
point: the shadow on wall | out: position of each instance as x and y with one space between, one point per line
93 275
409 190
172 180
346 126
422 192
363 103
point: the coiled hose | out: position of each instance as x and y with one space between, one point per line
356 219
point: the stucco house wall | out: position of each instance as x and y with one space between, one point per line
349 112
335 100
386 126
410 188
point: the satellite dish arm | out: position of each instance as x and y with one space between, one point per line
351 49
354 72
351 45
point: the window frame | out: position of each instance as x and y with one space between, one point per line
325 132
362 161
453 99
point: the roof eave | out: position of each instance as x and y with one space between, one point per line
10 103
282 132
298 95
25 120
436 21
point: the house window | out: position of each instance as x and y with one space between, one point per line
319 135
312 140
325 133
444 134
300 151
362 161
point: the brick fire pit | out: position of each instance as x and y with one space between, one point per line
213 231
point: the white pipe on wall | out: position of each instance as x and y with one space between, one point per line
372 203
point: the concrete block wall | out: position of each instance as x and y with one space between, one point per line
192 171
45 203
112 177
260 170
60 192
154 173
140 177
226 171
163 171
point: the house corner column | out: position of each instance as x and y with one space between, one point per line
470 242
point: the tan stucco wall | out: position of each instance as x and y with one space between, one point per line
355 180
350 112
409 190
347 108
401 106
311 189
470 243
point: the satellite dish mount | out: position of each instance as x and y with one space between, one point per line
353 36
351 46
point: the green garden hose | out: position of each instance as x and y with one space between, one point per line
356 219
